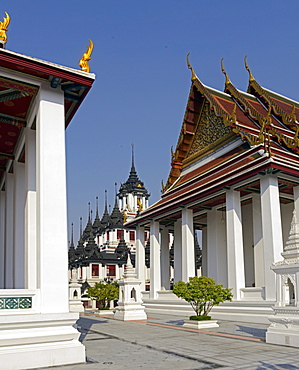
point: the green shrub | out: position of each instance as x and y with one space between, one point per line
104 293
202 293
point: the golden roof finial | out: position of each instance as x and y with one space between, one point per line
190 67
83 63
251 78
227 80
4 28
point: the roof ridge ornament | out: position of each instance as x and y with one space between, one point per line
227 80
194 77
251 78
3 29
83 63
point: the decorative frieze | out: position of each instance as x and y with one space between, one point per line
15 303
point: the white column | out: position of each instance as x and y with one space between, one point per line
19 225
272 230
178 250
155 273
140 256
258 241
30 210
2 238
165 266
9 219
204 237
235 254
188 260
216 251
52 238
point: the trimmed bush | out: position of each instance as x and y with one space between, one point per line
202 293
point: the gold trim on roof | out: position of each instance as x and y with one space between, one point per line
83 63
4 28
287 119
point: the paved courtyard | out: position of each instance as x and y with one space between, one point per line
162 343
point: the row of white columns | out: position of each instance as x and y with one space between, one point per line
184 256
224 252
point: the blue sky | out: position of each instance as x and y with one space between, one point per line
142 83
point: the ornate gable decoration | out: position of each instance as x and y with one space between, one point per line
209 134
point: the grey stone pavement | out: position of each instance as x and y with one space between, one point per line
162 343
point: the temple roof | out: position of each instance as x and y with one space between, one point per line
133 184
227 137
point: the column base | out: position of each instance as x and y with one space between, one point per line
31 341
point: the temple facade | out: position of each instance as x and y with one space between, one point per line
235 177
37 102
105 243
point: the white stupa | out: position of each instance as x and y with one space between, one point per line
130 302
75 302
284 328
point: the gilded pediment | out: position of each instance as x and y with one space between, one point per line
210 134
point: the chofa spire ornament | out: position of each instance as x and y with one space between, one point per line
251 78
227 80
193 77
3 29
83 63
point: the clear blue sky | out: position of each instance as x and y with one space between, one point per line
142 83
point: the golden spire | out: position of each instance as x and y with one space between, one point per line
194 77
83 63
251 78
227 80
4 28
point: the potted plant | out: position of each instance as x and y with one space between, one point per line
202 293
103 293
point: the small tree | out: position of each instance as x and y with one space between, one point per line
103 293
202 293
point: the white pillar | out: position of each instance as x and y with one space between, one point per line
178 250
204 237
165 266
235 254
155 273
2 238
216 242
272 230
52 238
140 256
30 210
258 241
188 260
19 225
9 219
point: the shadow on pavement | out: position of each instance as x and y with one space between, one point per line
260 333
265 366
84 325
176 322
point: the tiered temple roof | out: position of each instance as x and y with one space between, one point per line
227 137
